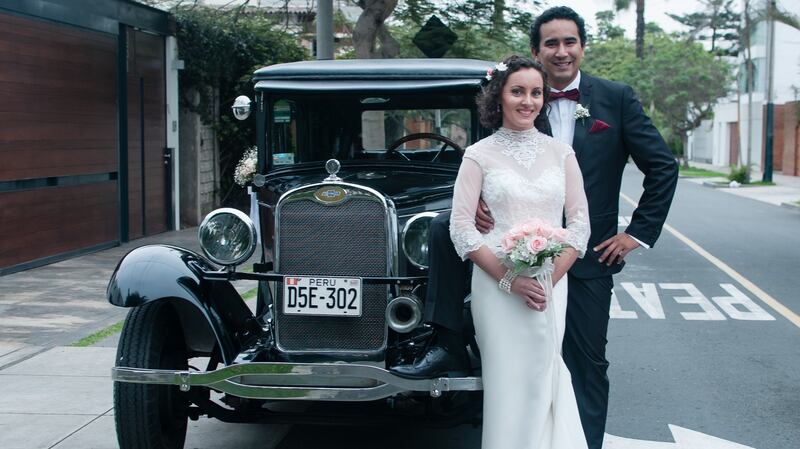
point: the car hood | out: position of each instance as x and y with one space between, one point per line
407 185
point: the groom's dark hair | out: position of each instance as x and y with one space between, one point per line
555 13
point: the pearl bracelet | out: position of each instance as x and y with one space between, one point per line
506 280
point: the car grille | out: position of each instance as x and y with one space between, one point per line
348 239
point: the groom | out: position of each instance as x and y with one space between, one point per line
616 128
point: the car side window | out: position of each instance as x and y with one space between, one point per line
284 132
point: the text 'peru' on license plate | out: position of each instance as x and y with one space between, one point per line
313 295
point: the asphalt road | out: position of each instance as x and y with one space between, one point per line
690 347
719 361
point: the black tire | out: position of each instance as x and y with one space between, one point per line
151 416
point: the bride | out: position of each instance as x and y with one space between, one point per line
521 174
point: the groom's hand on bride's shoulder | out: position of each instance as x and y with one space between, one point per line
483 218
616 248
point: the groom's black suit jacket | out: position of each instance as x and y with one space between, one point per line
602 156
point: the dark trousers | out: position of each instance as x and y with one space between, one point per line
584 351
449 277
584 347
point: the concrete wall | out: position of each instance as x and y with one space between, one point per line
208 182
701 143
199 168
710 143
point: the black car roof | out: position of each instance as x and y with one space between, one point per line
389 75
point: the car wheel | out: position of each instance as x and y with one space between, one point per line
151 416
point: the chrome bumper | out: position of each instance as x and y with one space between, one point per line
292 381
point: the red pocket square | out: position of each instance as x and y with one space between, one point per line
599 126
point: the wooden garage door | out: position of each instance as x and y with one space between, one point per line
147 138
58 140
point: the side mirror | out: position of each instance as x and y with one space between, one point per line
241 107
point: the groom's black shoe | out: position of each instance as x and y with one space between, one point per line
437 361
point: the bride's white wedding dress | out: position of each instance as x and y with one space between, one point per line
528 397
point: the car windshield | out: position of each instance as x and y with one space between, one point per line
405 128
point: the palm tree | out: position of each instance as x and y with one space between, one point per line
619 5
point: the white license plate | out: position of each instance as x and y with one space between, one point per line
313 295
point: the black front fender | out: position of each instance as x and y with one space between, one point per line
210 311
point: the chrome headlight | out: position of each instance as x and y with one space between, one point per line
227 236
241 107
415 238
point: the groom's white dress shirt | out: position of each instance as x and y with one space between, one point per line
562 114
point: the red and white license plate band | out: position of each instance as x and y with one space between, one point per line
326 296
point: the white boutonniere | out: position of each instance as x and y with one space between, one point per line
581 112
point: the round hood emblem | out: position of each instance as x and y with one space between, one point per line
330 194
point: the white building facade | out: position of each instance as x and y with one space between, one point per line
723 139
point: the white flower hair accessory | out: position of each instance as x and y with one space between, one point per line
581 112
500 67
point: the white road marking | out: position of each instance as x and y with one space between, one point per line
616 311
744 282
684 439
737 305
752 312
647 298
709 313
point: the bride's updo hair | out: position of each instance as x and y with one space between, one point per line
489 112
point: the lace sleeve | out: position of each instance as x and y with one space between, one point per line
466 193
576 209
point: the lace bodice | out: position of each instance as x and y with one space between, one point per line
520 175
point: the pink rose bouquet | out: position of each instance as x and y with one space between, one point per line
529 244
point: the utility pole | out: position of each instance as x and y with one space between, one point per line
770 122
749 85
325 29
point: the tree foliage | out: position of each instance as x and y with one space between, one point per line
718 23
606 29
221 49
677 80
486 29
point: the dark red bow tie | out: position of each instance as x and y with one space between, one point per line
572 94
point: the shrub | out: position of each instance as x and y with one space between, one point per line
739 174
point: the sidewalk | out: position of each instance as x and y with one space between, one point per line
62 399
53 395
785 192
60 303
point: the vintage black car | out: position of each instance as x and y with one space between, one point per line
354 159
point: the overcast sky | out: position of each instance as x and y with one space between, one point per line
654 11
